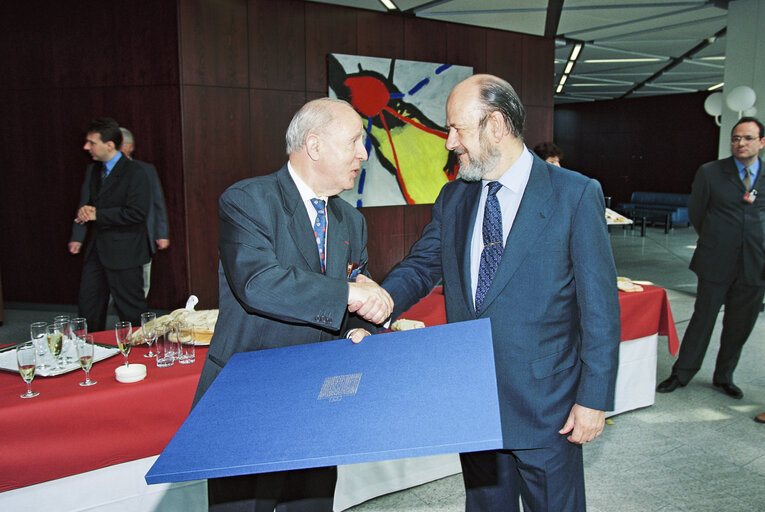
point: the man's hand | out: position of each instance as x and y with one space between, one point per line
368 300
359 334
85 214
74 247
162 243
585 424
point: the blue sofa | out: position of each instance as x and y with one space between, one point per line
656 204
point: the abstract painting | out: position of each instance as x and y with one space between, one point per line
403 107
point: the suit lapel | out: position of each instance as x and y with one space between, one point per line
534 213
464 224
299 223
731 173
337 241
114 176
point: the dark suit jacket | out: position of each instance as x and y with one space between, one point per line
122 204
553 303
730 229
156 219
272 291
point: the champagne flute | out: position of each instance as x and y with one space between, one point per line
122 332
26 357
38 336
55 342
63 322
149 330
85 347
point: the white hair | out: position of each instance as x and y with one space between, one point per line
311 117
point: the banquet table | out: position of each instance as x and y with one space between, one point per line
88 448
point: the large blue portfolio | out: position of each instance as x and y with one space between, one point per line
405 394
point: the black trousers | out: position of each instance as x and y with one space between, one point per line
98 282
742 307
303 490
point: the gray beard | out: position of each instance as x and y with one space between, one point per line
478 167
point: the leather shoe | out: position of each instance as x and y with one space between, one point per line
730 389
669 384
760 418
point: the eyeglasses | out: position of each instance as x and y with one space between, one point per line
746 138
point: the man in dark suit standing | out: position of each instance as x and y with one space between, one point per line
156 220
729 218
289 254
524 243
118 197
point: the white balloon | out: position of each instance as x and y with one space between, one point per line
741 98
713 104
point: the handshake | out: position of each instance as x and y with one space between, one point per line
368 300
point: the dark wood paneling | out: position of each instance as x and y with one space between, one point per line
270 114
216 148
505 58
538 71
632 144
380 35
277 44
466 46
425 40
328 29
213 39
538 126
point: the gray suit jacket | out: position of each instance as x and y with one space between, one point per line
272 291
553 304
730 229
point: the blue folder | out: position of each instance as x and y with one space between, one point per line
405 394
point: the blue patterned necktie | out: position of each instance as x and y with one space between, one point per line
492 244
320 230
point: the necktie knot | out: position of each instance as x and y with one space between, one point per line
320 229
494 187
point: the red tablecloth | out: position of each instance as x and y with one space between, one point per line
70 429
642 314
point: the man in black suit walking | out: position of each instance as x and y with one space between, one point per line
117 204
729 217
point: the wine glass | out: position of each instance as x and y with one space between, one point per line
63 323
122 332
85 346
149 330
26 357
55 342
38 336
78 328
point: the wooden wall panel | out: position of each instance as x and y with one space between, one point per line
632 144
538 72
328 29
380 35
217 153
213 39
538 126
270 114
277 44
425 40
505 58
466 46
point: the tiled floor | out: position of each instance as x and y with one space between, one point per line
694 450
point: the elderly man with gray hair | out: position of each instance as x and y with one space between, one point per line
291 253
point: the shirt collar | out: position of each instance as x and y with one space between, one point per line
109 164
516 176
306 194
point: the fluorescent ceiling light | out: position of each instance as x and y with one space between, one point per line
569 66
719 57
559 89
389 4
716 86
606 61
563 80
575 51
